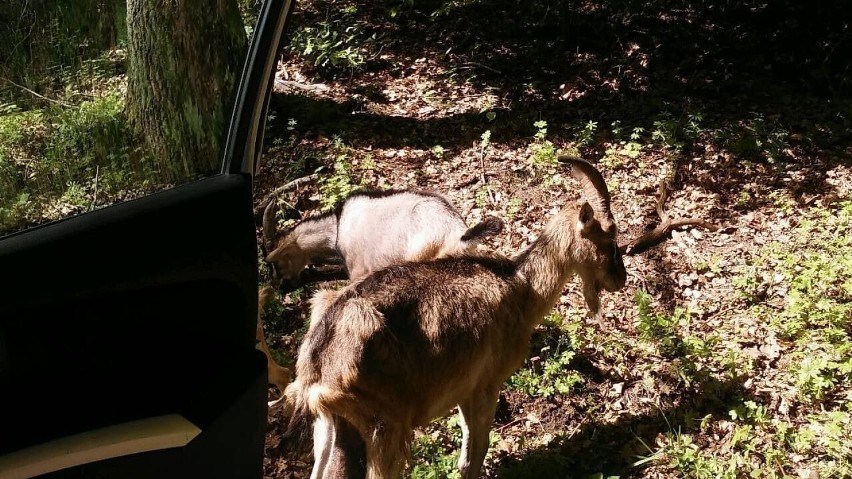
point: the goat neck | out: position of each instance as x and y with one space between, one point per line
317 235
548 263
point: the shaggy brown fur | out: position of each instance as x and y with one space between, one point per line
412 341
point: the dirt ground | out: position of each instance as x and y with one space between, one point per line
743 111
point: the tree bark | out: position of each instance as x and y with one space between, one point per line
184 60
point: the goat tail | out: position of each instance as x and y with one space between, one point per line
490 226
305 402
296 406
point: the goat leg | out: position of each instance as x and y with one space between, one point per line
386 451
323 445
277 375
476 416
592 294
348 456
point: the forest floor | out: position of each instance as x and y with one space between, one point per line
728 353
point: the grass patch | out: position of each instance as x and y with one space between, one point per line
338 185
337 44
62 160
802 288
548 373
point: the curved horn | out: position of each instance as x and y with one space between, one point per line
594 186
269 226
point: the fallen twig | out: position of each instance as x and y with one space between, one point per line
61 103
483 148
480 65
284 189
313 88
95 199
660 233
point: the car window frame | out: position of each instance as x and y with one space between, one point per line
243 143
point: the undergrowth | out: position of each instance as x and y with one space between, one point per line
337 185
336 44
61 160
800 287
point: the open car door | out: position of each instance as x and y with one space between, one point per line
127 335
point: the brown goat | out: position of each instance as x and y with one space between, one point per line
409 342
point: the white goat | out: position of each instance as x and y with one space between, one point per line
373 229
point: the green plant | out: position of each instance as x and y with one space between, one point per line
14 212
616 128
274 320
449 7
482 196
679 453
339 184
75 196
756 137
435 455
749 411
368 163
633 148
549 376
10 137
400 7
513 208
614 156
248 12
584 134
743 198
832 430
485 142
819 370
333 44
554 319
95 134
659 327
807 279
543 151
59 160
677 133
783 203
438 151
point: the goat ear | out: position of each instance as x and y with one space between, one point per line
274 255
586 213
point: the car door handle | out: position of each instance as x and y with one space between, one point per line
150 434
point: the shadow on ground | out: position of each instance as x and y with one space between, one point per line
761 88
613 449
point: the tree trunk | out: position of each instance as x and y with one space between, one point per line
184 59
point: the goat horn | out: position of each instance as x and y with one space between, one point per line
594 186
